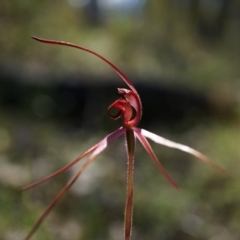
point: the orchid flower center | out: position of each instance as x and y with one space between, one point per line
127 108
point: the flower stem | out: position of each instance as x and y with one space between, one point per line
130 141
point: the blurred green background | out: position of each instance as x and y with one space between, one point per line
183 57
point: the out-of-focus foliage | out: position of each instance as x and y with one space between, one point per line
180 40
191 44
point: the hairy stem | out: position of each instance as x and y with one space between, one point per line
130 140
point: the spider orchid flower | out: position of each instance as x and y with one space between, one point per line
129 108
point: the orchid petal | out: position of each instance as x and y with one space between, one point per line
125 110
102 145
184 148
148 148
80 157
131 142
132 98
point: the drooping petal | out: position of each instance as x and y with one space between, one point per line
103 144
130 140
80 157
184 148
148 148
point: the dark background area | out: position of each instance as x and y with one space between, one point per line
183 58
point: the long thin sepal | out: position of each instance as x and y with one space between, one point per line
101 146
57 198
134 99
148 148
80 157
130 140
119 72
184 148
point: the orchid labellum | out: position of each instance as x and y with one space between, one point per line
129 108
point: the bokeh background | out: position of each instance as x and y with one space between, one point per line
183 57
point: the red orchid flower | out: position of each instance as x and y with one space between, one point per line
129 107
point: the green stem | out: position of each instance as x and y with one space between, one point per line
130 140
